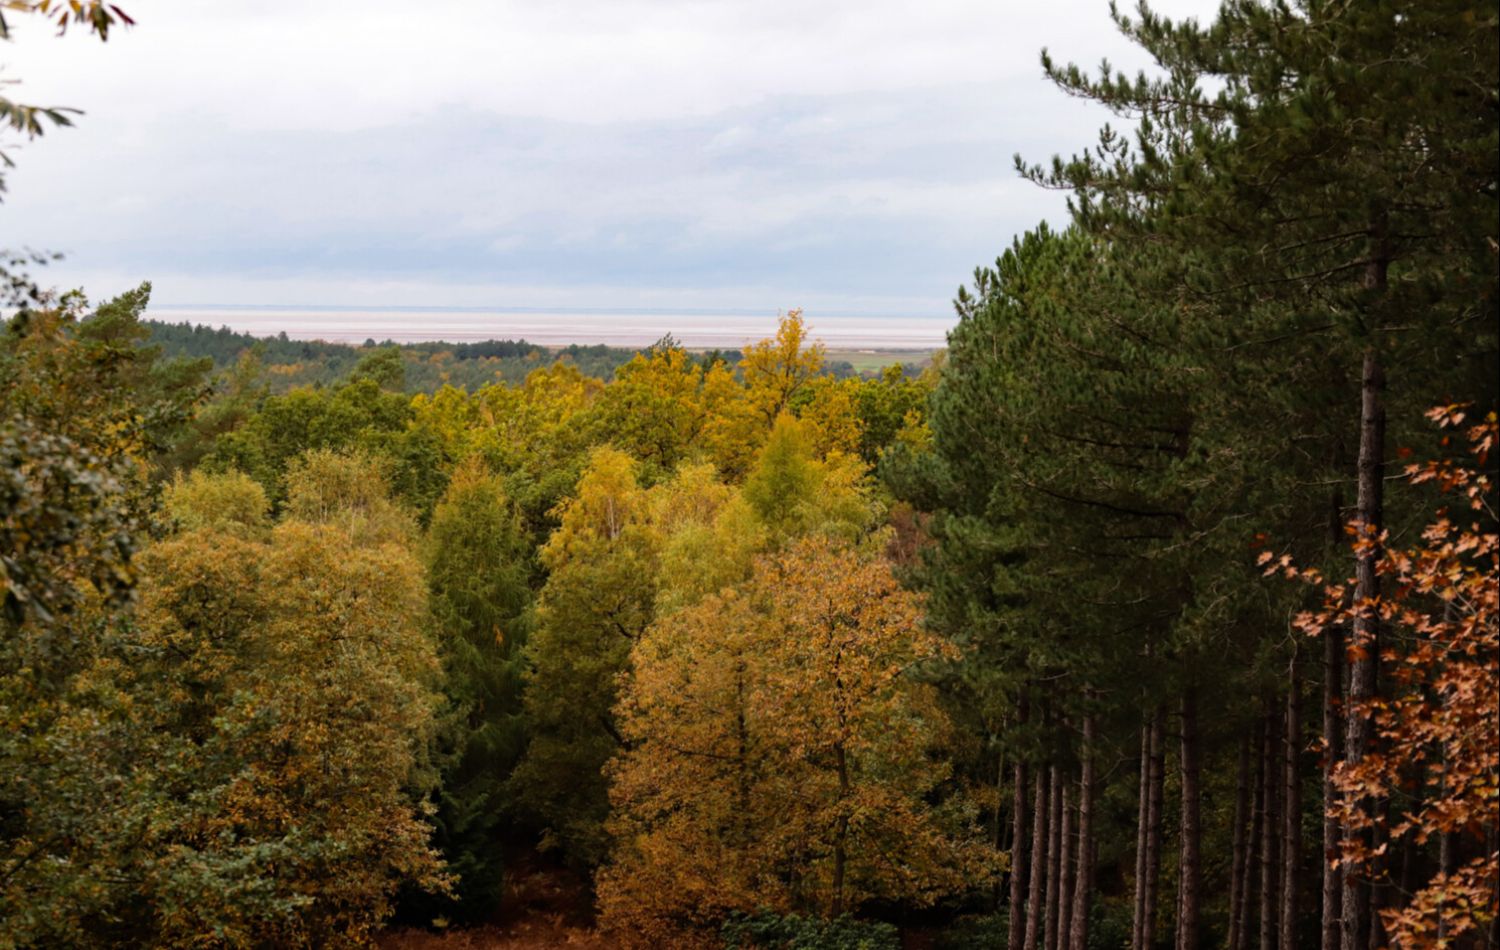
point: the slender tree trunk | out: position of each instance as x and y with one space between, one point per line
1254 848
1000 827
1291 842
1065 867
1156 777
1366 633
1083 888
1238 866
1189 867
1333 894
1138 916
1270 830
1019 857
1040 834
1054 853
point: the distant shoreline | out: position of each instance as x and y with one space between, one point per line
695 329
752 312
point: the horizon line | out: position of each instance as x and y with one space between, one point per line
591 311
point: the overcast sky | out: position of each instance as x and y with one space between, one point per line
743 154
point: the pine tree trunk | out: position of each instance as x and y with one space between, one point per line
1189 867
1001 826
1333 678
1362 669
1065 867
1054 852
1143 793
1156 778
1238 864
1040 834
1019 858
1291 842
1250 886
1270 830
1083 887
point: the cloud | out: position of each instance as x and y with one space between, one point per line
754 154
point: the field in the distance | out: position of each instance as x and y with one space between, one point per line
863 360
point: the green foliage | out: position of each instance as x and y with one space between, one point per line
358 415
974 933
65 522
793 494
424 367
201 762
231 502
479 568
790 932
350 492
89 374
1109 925
597 601
290 685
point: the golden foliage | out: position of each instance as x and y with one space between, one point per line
780 754
232 502
297 670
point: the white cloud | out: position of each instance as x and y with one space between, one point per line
366 150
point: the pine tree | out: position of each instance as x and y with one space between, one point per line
479 568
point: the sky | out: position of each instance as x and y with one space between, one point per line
751 155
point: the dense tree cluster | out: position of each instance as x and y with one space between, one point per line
1264 285
288 364
280 665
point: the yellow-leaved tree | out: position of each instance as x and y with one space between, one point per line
288 679
777 370
781 754
653 408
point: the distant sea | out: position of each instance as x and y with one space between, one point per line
631 328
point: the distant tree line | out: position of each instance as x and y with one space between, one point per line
428 366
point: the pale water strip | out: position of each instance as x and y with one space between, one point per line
549 328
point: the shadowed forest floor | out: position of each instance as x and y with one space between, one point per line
544 906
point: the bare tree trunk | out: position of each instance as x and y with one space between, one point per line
1238 864
1270 830
1039 841
1333 895
1291 843
1254 847
1054 852
1156 777
1366 645
1065 867
1019 856
1083 888
1189 867
1138 916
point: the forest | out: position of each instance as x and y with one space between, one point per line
426 367
1161 611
